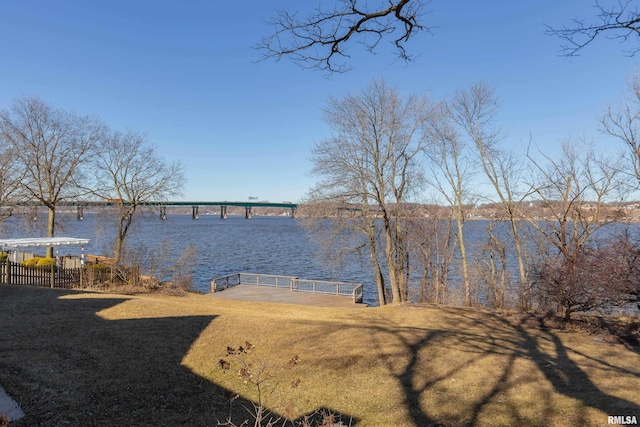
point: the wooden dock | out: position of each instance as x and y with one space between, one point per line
288 290
284 296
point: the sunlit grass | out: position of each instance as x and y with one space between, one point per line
404 365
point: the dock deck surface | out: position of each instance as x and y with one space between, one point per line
285 296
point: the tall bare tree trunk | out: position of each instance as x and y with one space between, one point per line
379 277
51 228
475 111
525 286
463 260
125 218
395 274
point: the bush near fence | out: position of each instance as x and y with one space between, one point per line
99 277
45 273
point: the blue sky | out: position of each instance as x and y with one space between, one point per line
185 73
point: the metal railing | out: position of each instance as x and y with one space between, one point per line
354 290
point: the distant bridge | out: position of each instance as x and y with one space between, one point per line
194 206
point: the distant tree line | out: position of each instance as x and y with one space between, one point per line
49 155
389 156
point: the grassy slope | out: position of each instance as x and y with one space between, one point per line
93 359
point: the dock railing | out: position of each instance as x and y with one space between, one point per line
295 284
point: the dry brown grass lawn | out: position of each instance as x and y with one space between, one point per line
75 358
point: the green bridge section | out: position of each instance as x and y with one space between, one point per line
162 205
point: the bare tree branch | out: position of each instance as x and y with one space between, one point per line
623 123
53 146
130 172
319 40
11 175
371 163
620 21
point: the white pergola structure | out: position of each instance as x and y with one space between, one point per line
30 242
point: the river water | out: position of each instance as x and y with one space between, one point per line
263 244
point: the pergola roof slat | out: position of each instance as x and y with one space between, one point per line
42 241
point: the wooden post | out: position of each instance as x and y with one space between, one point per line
81 266
194 214
52 279
7 271
223 212
80 213
163 212
293 213
247 212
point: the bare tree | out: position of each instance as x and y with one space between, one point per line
10 178
54 147
492 268
130 173
451 173
432 238
342 227
475 111
620 21
577 284
623 123
320 40
577 190
370 164
620 257
601 276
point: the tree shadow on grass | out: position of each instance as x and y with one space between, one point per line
428 363
65 365
563 373
568 379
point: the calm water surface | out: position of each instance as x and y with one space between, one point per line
263 244
267 245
